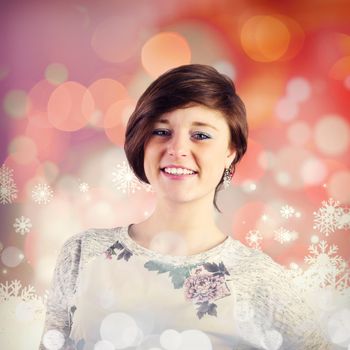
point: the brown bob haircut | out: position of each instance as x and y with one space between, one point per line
181 87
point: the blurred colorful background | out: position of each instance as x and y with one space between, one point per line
70 75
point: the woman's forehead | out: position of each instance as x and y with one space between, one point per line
196 115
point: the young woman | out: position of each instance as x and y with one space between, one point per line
175 281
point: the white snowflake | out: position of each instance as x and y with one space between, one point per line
84 187
287 211
22 225
22 314
327 267
124 179
326 219
283 235
15 289
344 219
42 194
8 188
254 238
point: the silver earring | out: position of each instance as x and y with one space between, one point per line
227 178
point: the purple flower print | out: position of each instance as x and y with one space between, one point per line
202 286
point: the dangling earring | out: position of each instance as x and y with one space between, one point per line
227 177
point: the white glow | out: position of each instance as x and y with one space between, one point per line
286 109
11 256
195 339
299 133
103 345
53 340
298 89
272 340
170 339
313 171
120 329
332 135
339 327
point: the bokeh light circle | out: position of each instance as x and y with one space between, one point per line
299 133
105 92
170 339
265 38
120 329
338 186
22 149
313 171
56 73
53 339
341 69
165 51
339 326
298 89
332 135
11 256
286 109
16 103
70 106
103 345
195 339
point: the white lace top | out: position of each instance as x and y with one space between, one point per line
109 292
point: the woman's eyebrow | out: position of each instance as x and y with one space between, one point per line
195 123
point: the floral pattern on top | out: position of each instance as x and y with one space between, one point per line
203 283
125 253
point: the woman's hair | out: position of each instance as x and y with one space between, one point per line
181 87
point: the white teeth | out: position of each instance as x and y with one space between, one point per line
178 171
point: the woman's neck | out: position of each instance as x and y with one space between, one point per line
193 229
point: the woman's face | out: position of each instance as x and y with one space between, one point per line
181 138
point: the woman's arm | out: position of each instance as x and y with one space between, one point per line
58 314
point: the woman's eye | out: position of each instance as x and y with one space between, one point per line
206 136
157 132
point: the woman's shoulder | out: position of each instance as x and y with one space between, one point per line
89 243
252 262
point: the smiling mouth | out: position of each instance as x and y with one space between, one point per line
177 175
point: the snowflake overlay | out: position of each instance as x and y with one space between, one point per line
327 218
283 235
124 179
42 194
22 225
344 219
327 268
287 211
8 188
254 238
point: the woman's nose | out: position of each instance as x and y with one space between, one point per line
178 145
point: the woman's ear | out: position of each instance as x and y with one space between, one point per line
230 157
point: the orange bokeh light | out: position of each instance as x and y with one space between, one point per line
116 120
39 95
341 69
70 106
165 51
260 95
105 92
265 38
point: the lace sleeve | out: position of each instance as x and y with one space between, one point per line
58 321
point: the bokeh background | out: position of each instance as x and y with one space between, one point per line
70 75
